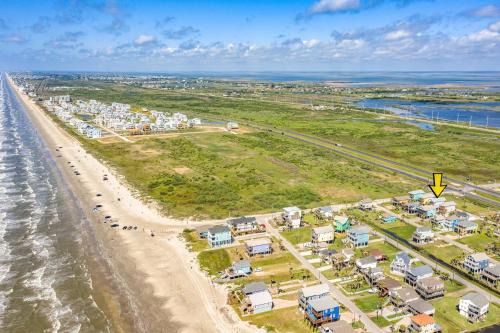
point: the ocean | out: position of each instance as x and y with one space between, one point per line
45 282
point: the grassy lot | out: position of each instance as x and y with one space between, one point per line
451 321
369 303
472 206
282 320
194 242
214 261
452 286
463 152
221 174
298 236
479 241
380 321
445 253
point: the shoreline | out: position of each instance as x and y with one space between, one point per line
158 281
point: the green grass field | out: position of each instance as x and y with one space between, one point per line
214 261
462 152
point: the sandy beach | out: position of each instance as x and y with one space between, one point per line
159 287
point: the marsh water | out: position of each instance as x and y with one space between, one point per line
45 282
481 114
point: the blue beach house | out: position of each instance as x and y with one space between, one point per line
258 246
358 236
322 310
241 267
219 236
389 218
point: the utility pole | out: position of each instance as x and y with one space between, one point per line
470 121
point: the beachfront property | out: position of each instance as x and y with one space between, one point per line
476 262
323 234
416 195
322 310
310 293
253 288
423 235
401 263
420 306
366 204
426 198
292 217
325 212
339 326
232 125
423 323
258 246
465 227
117 117
378 254
219 236
389 218
413 275
260 302
473 306
445 223
243 225
491 274
358 236
341 223
430 287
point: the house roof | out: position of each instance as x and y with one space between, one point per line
348 252
316 290
416 192
323 303
367 260
422 319
254 287
326 209
389 283
495 270
406 294
341 219
477 299
218 229
376 253
448 204
257 242
479 256
241 264
323 230
260 298
241 220
404 256
421 270
431 282
366 201
466 224
421 306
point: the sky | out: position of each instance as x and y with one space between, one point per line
245 35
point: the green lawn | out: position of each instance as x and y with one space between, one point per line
369 303
194 242
214 261
298 236
445 253
404 231
281 320
478 241
451 321
453 286
380 321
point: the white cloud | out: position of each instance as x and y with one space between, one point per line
495 26
397 35
144 39
484 36
14 39
311 42
351 44
486 11
332 6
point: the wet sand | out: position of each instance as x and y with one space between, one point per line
146 284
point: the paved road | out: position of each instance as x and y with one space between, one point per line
369 324
438 236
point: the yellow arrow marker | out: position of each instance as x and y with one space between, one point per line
438 187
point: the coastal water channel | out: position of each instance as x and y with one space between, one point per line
45 281
480 114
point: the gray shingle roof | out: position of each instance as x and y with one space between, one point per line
323 303
316 290
421 270
477 299
254 287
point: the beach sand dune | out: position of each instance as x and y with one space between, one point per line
164 288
